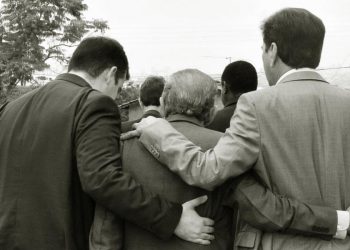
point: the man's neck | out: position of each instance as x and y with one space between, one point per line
232 98
83 75
152 107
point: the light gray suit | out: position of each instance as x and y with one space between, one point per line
295 135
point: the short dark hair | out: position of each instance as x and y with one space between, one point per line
298 34
96 54
240 77
151 90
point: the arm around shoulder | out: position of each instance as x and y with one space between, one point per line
234 154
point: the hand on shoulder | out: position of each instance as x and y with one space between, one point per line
139 127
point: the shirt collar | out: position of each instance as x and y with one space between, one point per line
232 102
152 112
184 118
293 71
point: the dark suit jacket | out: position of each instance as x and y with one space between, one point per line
160 180
222 118
59 151
127 126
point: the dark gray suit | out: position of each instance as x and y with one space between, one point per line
59 151
222 118
160 180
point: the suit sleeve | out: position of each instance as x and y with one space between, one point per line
267 211
234 154
99 166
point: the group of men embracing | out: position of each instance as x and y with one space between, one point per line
277 178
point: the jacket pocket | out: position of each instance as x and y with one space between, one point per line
246 240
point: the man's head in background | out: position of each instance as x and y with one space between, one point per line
102 62
293 39
238 78
150 92
189 92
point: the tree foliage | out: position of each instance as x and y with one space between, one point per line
129 92
34 31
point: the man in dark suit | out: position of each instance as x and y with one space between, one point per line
150 92
238 78
188 99
59 154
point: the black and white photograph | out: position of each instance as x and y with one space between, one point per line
174 125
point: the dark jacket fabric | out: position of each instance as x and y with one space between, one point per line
222 118
127 126
161 180
59 153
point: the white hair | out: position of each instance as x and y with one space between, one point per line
190 92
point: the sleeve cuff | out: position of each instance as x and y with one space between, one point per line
343 224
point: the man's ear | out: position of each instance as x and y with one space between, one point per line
161 101
212 114
273 54
111 74
141 104
161 106
224 87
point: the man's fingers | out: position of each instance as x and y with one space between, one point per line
136 125
208 222
207 229
202 242
144 122
196 202
191 226
129 135
207 236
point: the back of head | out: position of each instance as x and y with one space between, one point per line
151 90
298 34
240 77
190 92
95 54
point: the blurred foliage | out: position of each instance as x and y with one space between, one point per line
128 93
15 92
34 31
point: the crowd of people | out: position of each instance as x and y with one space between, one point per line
268 171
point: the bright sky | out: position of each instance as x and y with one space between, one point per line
163 36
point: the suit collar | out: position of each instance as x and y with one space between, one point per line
77 80
303 76
184 118
154 113
231 103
